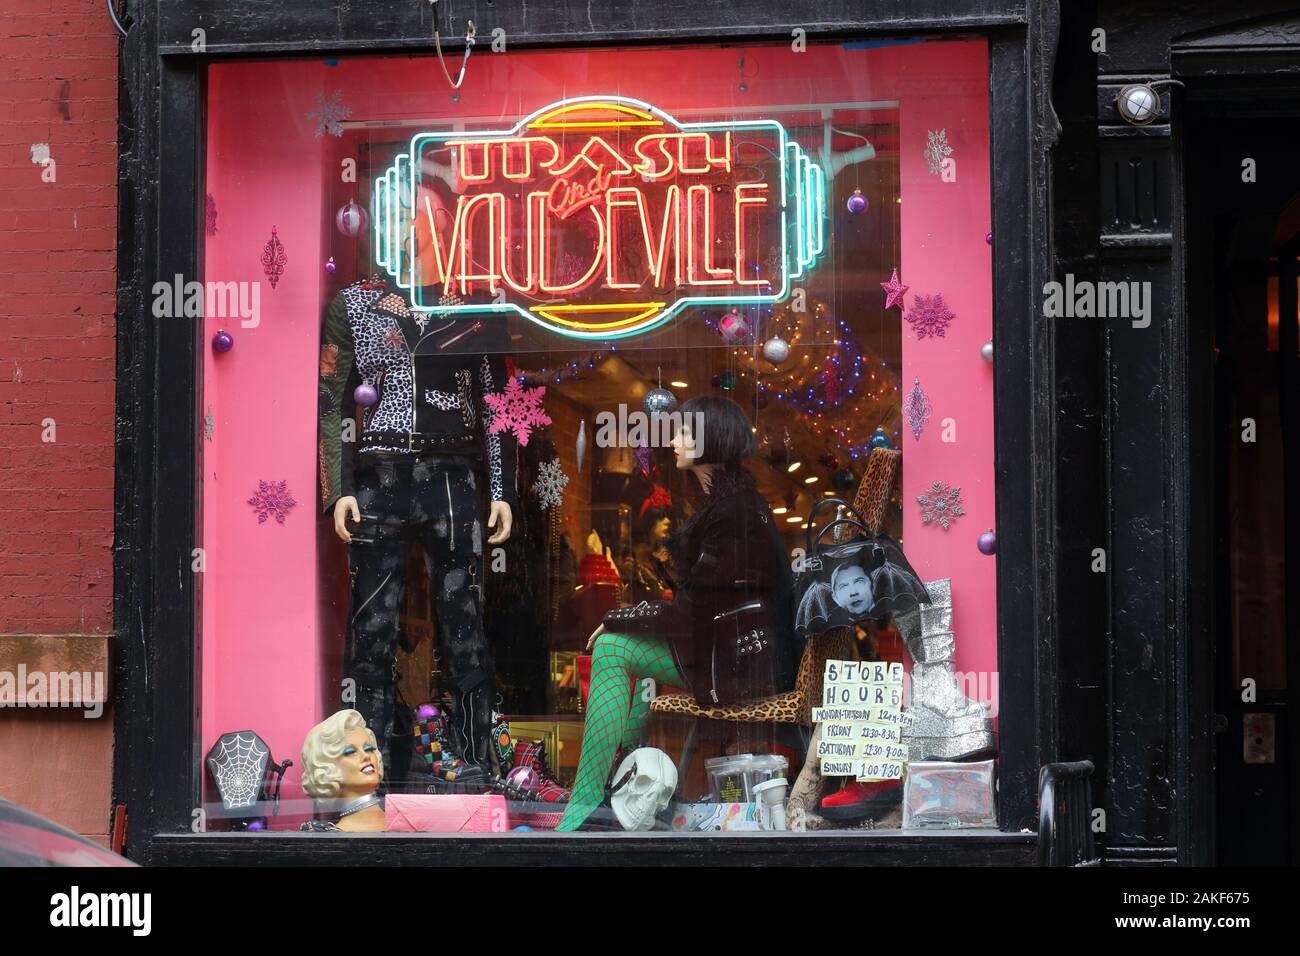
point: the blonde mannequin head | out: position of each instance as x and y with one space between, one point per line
324 774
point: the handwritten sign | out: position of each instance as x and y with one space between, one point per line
862 721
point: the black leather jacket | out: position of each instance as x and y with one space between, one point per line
430 373
731 555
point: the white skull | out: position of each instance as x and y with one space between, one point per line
643 785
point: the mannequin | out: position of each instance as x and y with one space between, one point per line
341 769
423 453
646 571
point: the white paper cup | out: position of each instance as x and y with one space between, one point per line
770 797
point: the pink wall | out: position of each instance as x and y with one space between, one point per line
270 617
261 664
944 226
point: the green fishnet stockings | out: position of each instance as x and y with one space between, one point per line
617 713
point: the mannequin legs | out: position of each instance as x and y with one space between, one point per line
617 712
437 500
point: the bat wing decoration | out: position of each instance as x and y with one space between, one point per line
896 587
817 612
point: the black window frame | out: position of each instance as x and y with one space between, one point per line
157 753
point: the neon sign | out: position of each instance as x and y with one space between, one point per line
599 217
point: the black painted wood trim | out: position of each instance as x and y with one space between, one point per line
256 27
1023 412
864 848
156 756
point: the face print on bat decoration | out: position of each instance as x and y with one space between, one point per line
865 577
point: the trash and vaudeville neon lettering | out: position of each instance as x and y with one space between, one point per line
600 217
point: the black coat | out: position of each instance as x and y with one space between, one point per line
728 554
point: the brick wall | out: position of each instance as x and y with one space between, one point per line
58 92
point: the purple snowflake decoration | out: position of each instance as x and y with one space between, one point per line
272 498
941 505
274 259
211 216
917 409
518 410
929 316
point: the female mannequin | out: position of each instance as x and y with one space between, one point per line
342 768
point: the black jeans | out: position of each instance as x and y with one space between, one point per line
436 500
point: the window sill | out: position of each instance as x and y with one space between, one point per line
825 848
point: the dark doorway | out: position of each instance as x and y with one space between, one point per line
1243 188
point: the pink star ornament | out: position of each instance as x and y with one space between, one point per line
894 291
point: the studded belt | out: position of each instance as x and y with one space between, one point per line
419 442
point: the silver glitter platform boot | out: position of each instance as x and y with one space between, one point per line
947 725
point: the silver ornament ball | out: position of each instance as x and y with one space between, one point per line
659 400
776 350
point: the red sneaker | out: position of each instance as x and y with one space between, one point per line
857 801
533 755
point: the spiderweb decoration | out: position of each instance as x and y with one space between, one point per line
239 766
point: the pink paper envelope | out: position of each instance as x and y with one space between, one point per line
449 813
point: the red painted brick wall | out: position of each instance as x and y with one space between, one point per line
58 86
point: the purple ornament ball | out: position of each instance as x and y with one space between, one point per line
988 542
351 219
330 267
524 778
426 712
365 394
223 341
257 825
857 203
988 237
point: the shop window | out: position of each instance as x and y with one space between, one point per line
562 300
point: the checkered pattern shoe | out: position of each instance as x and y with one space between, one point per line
431 753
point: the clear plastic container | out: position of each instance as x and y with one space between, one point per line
727 778
732 778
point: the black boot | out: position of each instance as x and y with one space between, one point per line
375 704
471 733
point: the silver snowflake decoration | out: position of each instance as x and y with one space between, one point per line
550 484
941 505
331 114
917 409
272 500
936 150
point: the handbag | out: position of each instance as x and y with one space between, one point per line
742 661
842 584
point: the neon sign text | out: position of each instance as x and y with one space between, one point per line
599 217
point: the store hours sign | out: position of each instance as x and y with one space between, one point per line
599 217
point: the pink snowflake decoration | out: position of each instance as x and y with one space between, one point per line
929 316
272 498
518 410
393 338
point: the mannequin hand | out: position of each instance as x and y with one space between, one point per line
501 518
344 507
591 642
